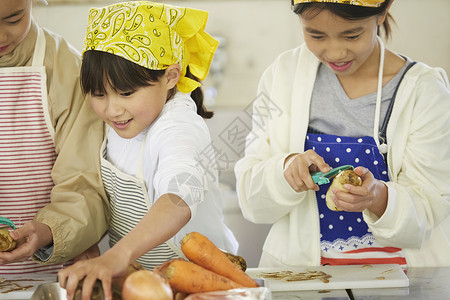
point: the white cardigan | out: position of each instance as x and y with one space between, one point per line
418 138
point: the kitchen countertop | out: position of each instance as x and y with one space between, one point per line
424 283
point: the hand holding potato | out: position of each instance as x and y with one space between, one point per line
28 238
345 177
371 194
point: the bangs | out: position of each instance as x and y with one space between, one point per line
101 69
345 11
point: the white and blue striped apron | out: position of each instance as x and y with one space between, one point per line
129 203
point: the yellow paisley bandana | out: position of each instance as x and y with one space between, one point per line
154 35
367 3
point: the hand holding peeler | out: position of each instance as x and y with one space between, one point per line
7 222
324 178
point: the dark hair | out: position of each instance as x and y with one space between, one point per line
100 68
349 12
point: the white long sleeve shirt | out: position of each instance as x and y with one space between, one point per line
176 158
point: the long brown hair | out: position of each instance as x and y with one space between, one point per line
100 68
349 12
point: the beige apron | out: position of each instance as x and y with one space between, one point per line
129 203
27 149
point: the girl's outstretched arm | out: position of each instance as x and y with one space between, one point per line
165 218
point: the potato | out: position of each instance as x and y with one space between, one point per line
344 177
6 241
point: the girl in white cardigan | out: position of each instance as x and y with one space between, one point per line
342 98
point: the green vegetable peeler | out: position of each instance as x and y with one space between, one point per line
324 178
7 222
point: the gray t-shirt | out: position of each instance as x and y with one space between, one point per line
333 112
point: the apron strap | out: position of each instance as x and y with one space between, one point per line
383 129
379 92
39 52
391 105
140 170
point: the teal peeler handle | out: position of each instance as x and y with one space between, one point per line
8 222
324 178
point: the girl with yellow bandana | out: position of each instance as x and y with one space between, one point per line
343 99
142 66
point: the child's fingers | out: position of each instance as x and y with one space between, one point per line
355 190
298 174
16 234
62 278
292 182
88 284
107 289
320 163
346 202
362 172
71 285
299 177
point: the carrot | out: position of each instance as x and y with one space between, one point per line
187 277
200 250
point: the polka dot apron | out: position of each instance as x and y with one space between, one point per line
344 236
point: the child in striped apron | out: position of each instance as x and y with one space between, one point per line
341 98
44 150
142 66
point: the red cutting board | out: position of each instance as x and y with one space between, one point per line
342 277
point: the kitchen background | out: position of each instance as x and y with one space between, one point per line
251 34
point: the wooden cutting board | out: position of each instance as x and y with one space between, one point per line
340 277
29 282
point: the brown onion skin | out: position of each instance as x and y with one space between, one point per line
146 285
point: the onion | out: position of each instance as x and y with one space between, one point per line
146 285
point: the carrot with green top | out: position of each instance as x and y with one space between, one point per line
187 277
200 250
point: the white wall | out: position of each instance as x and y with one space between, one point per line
256 31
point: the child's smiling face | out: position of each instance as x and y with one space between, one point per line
15 22
342 45
130 112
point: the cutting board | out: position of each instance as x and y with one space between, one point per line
342 277
25 280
